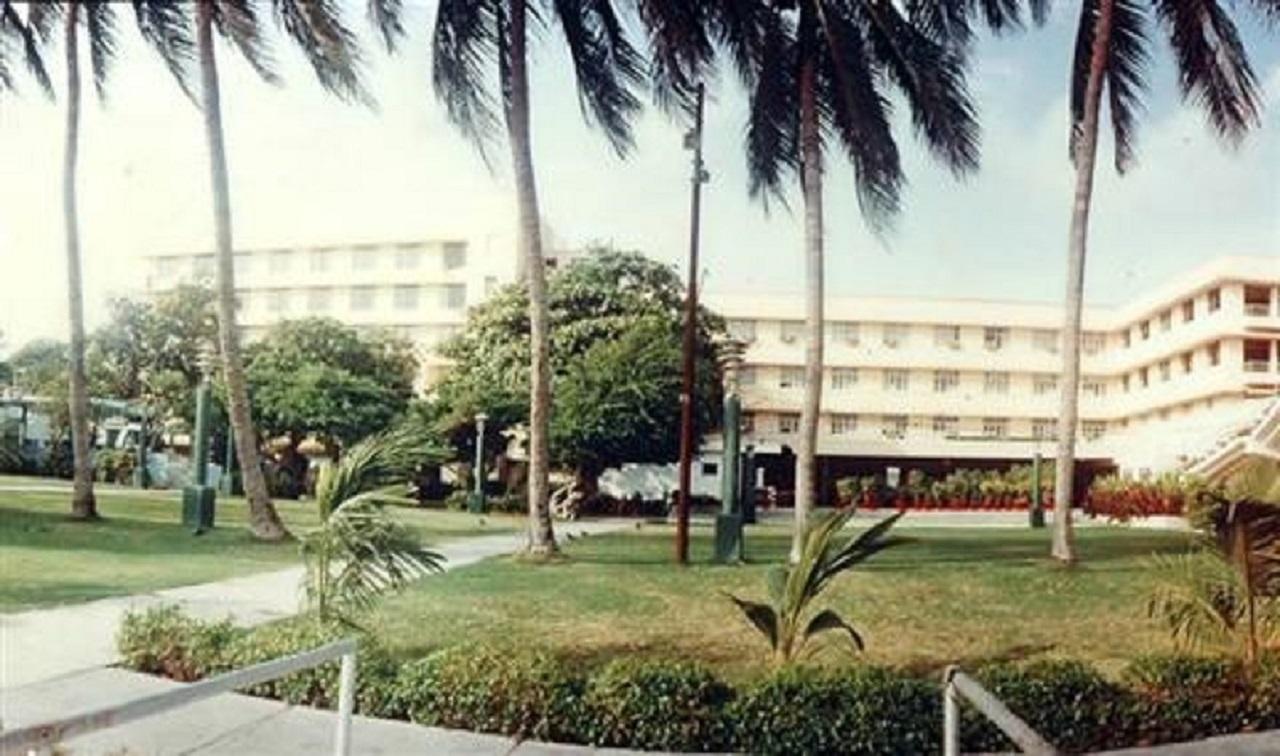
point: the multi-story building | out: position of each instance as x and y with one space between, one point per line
944 383
416 289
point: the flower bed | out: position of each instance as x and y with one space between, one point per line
1121 499
971 490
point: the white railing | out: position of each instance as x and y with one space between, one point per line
42 738
1257 308
1257 366
957 684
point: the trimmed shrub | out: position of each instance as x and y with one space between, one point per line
162 640
864 711
1186 698
657 706
484 690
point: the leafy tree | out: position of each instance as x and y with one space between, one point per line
40 367
615 347
1112 53
474 38
793 587
820 75
319 376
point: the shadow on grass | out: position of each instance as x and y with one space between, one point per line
933 667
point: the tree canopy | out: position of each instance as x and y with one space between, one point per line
615 360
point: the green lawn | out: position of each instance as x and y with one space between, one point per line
949 595
140 545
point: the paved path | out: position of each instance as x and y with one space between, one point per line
236 725
43 643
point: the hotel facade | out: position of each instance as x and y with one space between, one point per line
940 384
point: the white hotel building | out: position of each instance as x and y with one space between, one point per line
938 384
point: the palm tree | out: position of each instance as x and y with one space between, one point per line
471 35
331 49
819 72
1111 53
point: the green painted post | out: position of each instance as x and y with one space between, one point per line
198 498
729 522
200 445
143 482
1037 502
229 463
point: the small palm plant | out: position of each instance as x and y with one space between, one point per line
1230 593
360 551
793 587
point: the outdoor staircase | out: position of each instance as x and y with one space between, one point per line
1258 437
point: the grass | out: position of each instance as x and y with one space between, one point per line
946 596
140 545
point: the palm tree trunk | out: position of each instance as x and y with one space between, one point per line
1063 548
542 538
264 522
83 504
811 156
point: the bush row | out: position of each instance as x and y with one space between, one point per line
684 707
1121 498
959 489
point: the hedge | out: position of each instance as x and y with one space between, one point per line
685 707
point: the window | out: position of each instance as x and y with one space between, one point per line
945 380
1185 358
895 334
406 297
748 422
1124 381
318 299
1215 353
1164 370
490 285
364 259
320 260
278 300
945 425
1045 340
1126 339
408 259
1093 429
1144 377
243 264
1044 427
743 330
994 338
844 333
946 336
789 422
843 378
1092 342
789 330
995 383
1215 300
710 469
455 255
1044 383
362 298
166 267
895 426
843 425
896 380
455 296
280 261
1188 311
746 376
1095 387
1144 329
791 377
202 267
1166 320
995 427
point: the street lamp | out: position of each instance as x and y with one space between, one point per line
476 502
198 498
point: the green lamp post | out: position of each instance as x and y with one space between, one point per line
476 503
1036 512
198 498
729 522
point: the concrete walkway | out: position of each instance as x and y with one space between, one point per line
236 725
44 643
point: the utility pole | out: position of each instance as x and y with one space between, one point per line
692 141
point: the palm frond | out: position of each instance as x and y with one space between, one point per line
827 620
330 46
608 68
1213 68
1199 601
762 617
681 49
387 18
100 24
464 42
239 23
27 35
1124 79
166 27
773 126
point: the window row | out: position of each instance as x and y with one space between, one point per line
406 257
896 335
942 381
322 300
900 426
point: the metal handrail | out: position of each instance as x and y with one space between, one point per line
49 734
957 684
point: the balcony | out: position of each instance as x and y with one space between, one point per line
1257 366
1257 309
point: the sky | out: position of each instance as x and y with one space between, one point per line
307 168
